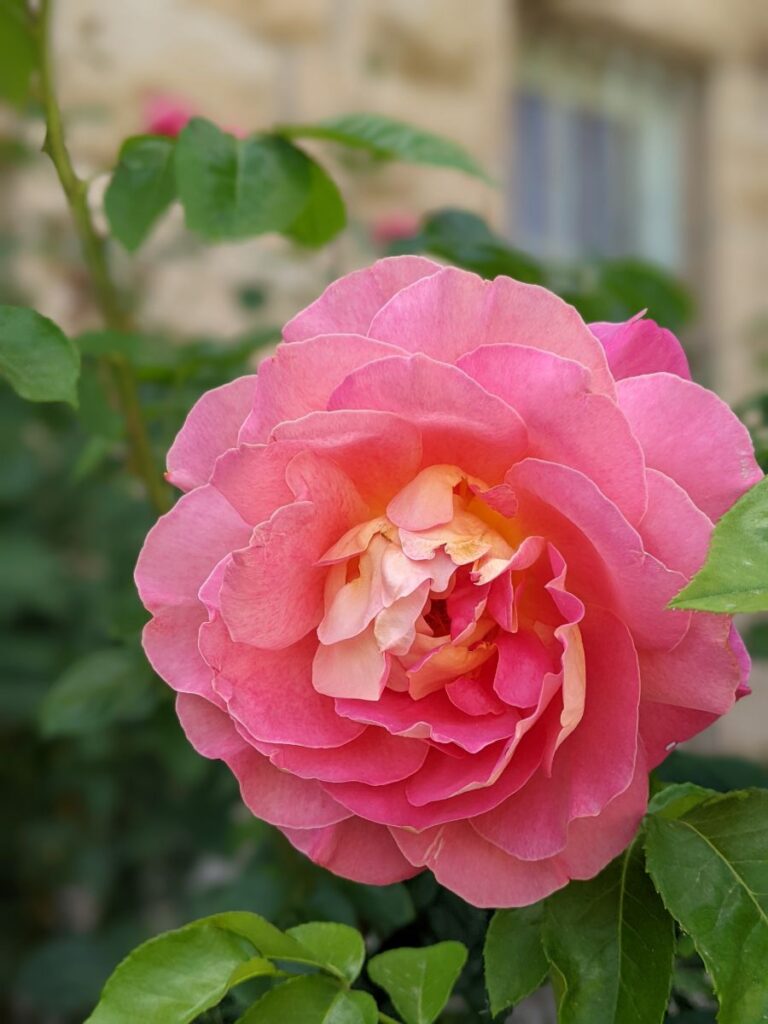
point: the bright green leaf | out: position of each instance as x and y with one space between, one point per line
366 1004
141 189
256 967
734 577
673 801
610 945
100 689
711 868
17 51
311 999
324 214
172 978
419 981
385 137
36 357
338 945
234 188
176 976
515 963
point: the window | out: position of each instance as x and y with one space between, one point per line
602 153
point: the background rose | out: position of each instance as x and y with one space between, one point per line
416 594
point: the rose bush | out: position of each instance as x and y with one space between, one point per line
415 595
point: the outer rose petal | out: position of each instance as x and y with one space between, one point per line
461 423
477 870
210 428
673 529
566 422
277 797
452 312
640 346
348 305
692 436
299 378
184 546
170 644
354 849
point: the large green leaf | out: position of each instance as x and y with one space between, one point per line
735 576
675 800
385 137
515 962
233 188
172 978
176 976
337 945
312 999
36 357
419 981
711 868
100 689
324 214
610 944
142 187
17 51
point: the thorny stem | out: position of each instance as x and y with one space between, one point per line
107 297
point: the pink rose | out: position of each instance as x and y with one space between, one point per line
416 594
166 115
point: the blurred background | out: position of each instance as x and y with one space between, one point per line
628 143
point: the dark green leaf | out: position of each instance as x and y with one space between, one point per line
673 801
515 963
324 215
634 285
711 868
101 688
141 189
466 240
610 944
338 945
234 188
312 999
385 137
96 413
36 357
17 51
419 981
718 773
735 576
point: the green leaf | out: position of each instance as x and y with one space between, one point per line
385 137
324 215
635 284
311 999
610 944
256 967
419 981
711 868
100 689
142 187
734 577
234 188
466 240
17 52
94 411
515 963
366 1004
673 801
39 361
176 976
338 945
172 978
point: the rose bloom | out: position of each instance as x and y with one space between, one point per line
416 593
